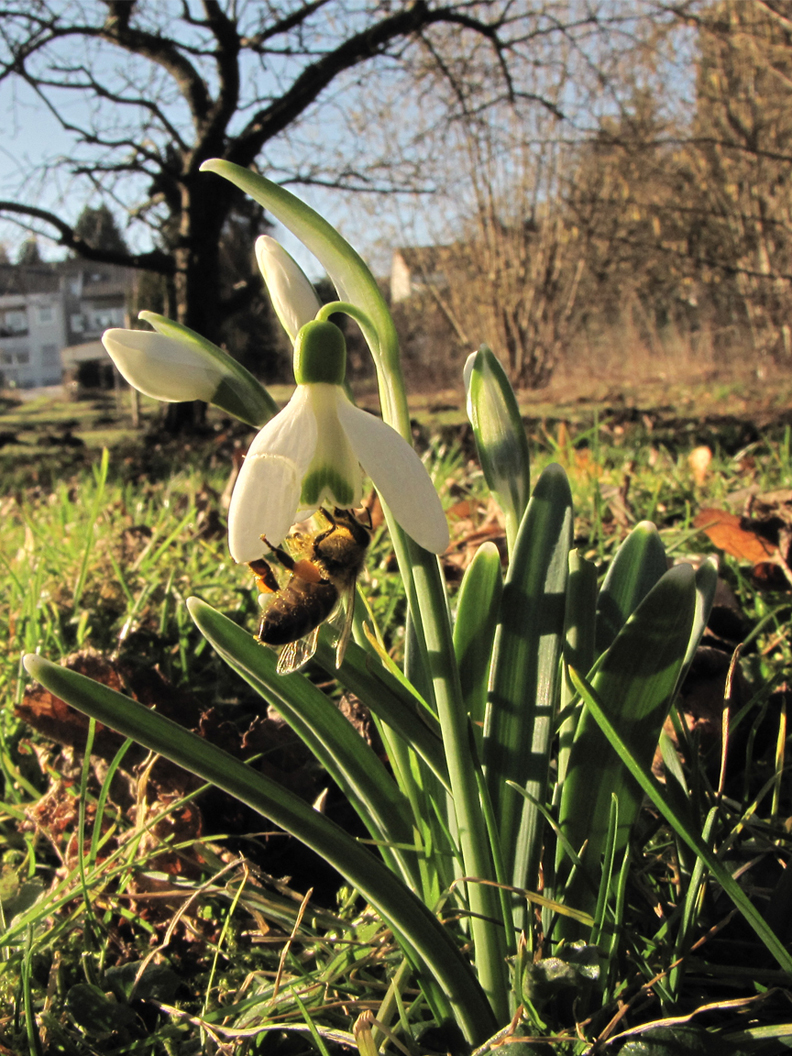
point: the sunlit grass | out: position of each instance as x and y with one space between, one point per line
102 559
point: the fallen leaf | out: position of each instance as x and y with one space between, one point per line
726 531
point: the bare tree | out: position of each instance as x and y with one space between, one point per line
510 259
740 161
511 277
171 85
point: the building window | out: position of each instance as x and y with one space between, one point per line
8 357
23 358
101 318
45 313
14 321
77 323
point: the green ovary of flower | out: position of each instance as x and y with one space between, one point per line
319 354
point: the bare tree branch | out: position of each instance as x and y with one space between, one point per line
152 261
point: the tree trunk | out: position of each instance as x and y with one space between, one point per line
197 281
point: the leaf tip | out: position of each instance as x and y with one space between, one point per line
210 165
33 663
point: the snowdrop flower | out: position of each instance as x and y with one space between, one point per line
315 452
175 364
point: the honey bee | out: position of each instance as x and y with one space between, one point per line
323 568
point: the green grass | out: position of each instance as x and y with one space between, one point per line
168 934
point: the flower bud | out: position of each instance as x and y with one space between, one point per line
162 367
175 365
500 436
293 297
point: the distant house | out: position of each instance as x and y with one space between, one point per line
45 308
414 269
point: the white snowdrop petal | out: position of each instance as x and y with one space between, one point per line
398 475
293 297
291 433
162 367
264 502
267 492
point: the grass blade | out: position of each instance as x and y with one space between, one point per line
650 786
424 940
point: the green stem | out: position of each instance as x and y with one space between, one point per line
487 925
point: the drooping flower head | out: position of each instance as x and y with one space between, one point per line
316 452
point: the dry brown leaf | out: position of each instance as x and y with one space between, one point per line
727 532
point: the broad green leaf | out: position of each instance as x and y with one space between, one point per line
580 612
636 679
638 564
422 937
681 1039
581 599
391 700
478 602
321 726
523 696
763 1041
680 823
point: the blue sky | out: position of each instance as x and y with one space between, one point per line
30 134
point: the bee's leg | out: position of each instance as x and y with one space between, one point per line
280 555
303 568
328 531
265 577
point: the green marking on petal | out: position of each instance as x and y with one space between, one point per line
325 481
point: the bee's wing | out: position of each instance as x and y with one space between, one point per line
348 608
295 654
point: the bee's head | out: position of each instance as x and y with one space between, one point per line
357 528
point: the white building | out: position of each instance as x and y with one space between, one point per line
416 269
45 308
